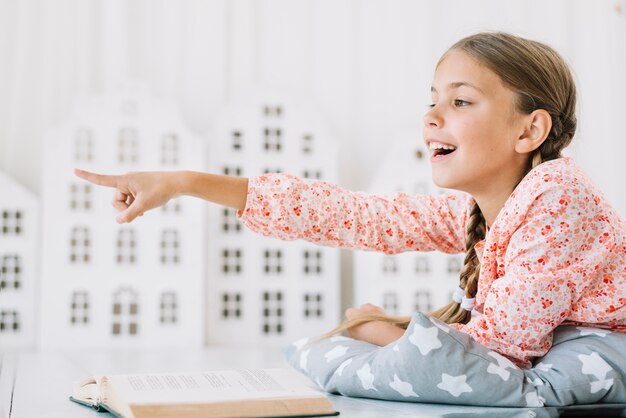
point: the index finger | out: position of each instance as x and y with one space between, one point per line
99 179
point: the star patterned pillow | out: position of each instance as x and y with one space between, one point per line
434 363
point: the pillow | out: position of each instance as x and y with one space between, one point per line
435 363
584 366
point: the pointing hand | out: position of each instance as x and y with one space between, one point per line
136 192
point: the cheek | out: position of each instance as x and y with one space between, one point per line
482 135
470 133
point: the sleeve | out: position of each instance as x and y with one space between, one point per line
550 261
289 208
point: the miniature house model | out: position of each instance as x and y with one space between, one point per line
19 214
108 285
412 281
260 289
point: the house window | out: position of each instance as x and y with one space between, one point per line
10 272
232 171
272 111
422 264
83 145
128 146
313 305
272 312
272 261
307 143
231 261
169 149
312 174
125 312
230 221
80 196
312 262
12 222
168 308
390 264
454 266
390 303
271 170
126 246
9 321
170 247
237 142
423 301
80 246
172 207
231 305
272 139
80 308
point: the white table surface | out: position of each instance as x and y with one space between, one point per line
36 384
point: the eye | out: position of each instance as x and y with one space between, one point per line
461 103
430 106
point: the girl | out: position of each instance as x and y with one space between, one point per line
543 246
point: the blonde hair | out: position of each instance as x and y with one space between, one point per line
541 79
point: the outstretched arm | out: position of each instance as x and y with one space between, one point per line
287 207
138 192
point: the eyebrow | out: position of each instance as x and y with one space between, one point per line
457 84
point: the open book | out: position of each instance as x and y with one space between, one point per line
221 393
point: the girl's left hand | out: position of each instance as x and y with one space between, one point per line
375 332
365 309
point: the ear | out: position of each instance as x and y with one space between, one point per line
536 130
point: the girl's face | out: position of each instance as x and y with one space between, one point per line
473 111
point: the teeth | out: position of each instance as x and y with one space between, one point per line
436 145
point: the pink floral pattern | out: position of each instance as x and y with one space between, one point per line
556 253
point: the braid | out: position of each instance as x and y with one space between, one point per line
560 135
475 231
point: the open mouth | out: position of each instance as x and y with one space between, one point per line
442 151
439 149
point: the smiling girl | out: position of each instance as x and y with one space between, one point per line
543 246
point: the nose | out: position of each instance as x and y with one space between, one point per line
432 119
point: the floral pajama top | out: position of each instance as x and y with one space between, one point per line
556 253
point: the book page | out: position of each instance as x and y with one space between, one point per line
212 386
88 390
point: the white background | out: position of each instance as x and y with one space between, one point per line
368 64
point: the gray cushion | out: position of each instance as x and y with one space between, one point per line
435 363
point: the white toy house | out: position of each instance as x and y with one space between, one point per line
263 290
19 230
139 284
412 281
